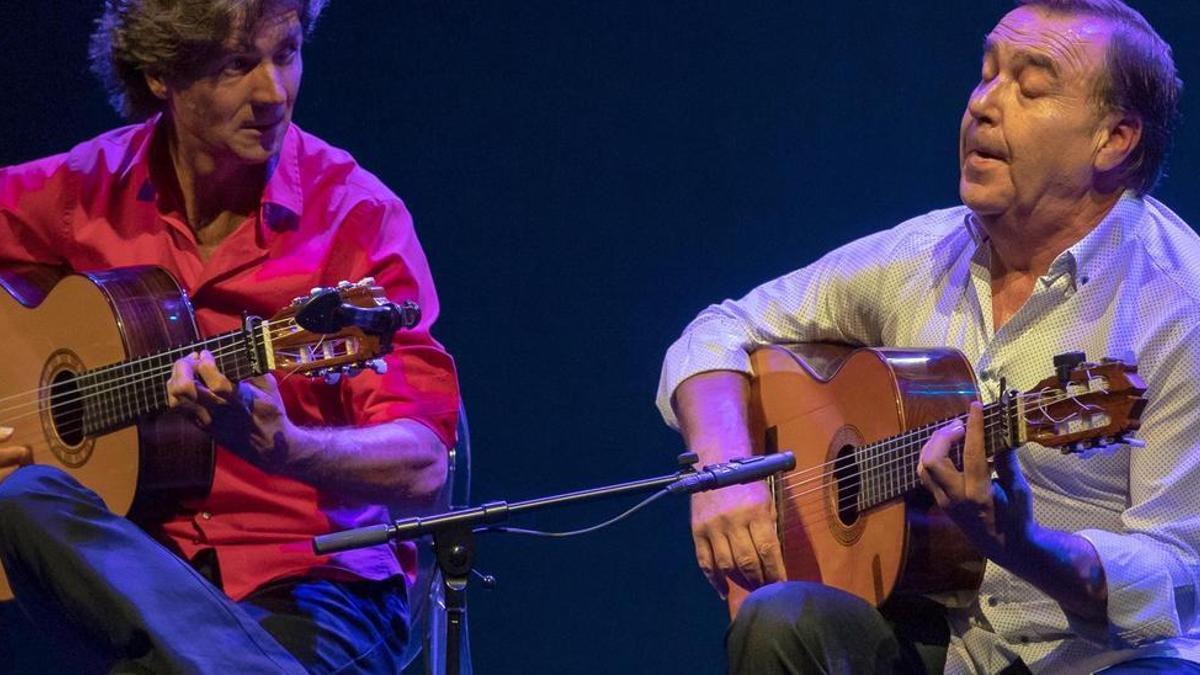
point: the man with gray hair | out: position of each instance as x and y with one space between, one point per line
215 184
1091 563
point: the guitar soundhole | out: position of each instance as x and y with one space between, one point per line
847 476
66 408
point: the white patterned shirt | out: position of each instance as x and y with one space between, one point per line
1130 289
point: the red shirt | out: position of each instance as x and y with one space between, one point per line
322 219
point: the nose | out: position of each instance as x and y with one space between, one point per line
270 87
982 104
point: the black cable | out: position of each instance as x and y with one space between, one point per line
571 533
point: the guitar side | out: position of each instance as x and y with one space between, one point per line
820 402
56 323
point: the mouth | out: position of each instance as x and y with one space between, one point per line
983 153
263 127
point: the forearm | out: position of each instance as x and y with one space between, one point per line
397 463
712 412
1065 567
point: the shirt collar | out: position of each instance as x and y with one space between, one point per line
282 199
1086 257
1092 254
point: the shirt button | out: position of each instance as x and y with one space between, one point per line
206 515
1024 639
992 601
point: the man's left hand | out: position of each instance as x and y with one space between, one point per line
248 418
996 515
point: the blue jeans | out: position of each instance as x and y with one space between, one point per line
110 598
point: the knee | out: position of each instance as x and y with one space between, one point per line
26 492
799 611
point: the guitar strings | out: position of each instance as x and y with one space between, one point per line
155 374
138 377
45 443
798 506
274 333
900 446
902 453
900 440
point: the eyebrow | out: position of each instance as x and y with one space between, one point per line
245 44
1024 56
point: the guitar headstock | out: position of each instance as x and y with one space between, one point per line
1089 405
345 350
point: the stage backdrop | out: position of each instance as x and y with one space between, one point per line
586 176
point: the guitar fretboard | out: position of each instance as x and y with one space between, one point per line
116 395
887 469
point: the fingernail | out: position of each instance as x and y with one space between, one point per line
6 431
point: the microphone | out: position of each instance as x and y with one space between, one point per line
741 470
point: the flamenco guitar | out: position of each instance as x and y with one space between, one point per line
853 514
88 355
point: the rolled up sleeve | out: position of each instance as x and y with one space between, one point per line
830 300
420 383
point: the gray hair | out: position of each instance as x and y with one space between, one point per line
1139 79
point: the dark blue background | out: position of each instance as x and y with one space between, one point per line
585 176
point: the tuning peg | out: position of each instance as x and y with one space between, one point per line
343 285
332 377
351 371
367 282
316 290
1134 442
1065 363
377 365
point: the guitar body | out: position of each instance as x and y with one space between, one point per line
823 401
56 325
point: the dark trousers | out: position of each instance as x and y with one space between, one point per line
802 627
106 597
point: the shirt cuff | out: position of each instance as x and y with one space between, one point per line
1141 591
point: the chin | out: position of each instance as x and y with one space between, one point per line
255 154
981 199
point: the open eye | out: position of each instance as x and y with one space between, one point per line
287 53
237 65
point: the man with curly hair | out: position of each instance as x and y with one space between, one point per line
215 184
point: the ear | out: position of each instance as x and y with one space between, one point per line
157 86
1119 137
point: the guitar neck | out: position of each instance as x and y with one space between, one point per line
888 468
116 395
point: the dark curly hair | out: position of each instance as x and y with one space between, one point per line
172 39
1139 78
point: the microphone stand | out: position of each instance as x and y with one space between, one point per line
453 532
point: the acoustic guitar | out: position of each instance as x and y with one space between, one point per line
83 383
853 514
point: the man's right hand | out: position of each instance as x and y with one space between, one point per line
733 528
734 533
12 457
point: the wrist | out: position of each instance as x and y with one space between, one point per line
301 446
